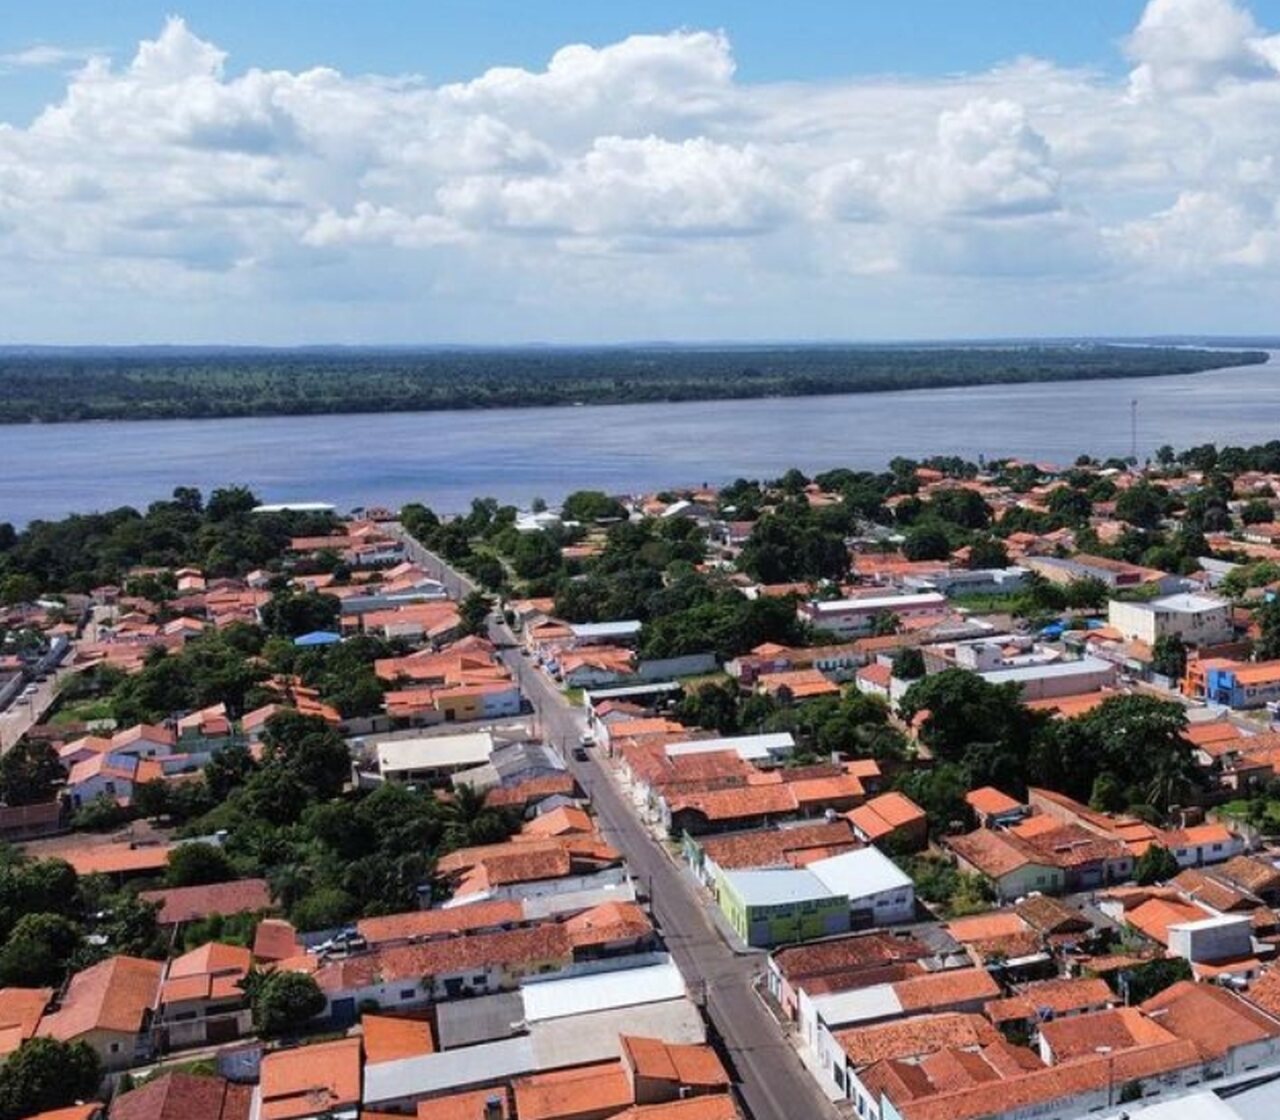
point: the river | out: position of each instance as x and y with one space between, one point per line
446 458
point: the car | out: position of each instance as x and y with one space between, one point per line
580 754
31 690
342 944
586 739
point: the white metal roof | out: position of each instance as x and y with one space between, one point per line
1084 667
427 751
606 629
626 987
749 747
860 873
879 602
841 1009
777 886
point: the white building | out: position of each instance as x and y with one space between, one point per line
1061 678
851 618
432 758
1199 620
879 891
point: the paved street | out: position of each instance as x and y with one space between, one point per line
26 711
773 1082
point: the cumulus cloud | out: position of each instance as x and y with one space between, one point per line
636 188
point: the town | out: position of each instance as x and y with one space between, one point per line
945 792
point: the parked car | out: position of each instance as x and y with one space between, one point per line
342 944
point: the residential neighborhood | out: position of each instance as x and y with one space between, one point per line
921 794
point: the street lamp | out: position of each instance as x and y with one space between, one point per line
1111 1061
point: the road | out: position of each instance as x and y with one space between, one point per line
26 711
774 1084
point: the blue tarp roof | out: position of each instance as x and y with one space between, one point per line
317 638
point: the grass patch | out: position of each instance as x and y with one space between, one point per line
82 711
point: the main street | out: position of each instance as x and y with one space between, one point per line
773 1082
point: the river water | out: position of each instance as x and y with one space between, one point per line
447 458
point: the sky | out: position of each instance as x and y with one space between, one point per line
473 171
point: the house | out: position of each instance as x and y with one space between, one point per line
209 729
1239 684
389 1038
109 1007
1199 620
790 846
431 759
201 1000
771 906
992 808
179 905
838 964
1049 680
849 618
891 818
110 775
320 1080
1012 869
184 1096
1116 574
20 1012
659 1071
589 1092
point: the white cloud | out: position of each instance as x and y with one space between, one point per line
46 56
641 189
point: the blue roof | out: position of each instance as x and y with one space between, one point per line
318 638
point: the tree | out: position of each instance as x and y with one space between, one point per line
1152 978
474 612
309 750
229 501
44 1074
962 507
293 613
908 664
195 864
38 951
987 552
1073 506
30 773
926 542
285 1002
592 505
1156 865
227 770
1142 505
1169 656
1257 511
1267 616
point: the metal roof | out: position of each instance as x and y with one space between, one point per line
860 873
427 752
777 886
627 987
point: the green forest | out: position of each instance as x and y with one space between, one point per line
59 386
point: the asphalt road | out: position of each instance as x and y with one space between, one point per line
26 711
773 1083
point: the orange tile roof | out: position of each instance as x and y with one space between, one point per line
562 820
114 995
694 1066
20 1011
1117 1028
947 988
387 1038
183 1096
421 924
274 939
584 1093
714 1106
310 1080
187 904
607 923
991 801
775 847
469 1105
1155 916
1062 997
984 927
914 1036
741 803
1213 1019
117 859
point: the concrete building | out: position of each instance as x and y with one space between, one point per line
850 618
879 892
1060 678
775 905
1199 620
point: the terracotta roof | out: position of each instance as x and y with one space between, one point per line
114 995
310 1080
714 1106
1250 872
469 1105
841 954
607 923
387 1039
1117 1028
884 814
990 801
1264 992
1062 997
774 847
586 1092
422 924
743 802
189 904
274 939
694 1066
184 1096
914 1036
559 822
88 1111
1204 887
1155 916
20 1011
117 859
1212 1018
948 988
1051 915
984 927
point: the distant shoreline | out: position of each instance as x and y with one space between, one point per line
43 387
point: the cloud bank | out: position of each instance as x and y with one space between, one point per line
642 190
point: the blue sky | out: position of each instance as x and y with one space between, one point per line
703 170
